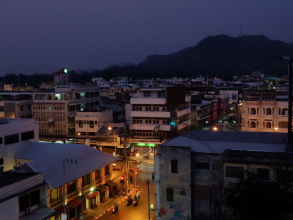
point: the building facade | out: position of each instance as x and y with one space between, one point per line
264 111
159 112
192 171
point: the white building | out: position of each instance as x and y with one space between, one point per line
158 112
89 123
14 131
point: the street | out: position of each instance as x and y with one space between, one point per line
141 211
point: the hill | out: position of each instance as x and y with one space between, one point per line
219 55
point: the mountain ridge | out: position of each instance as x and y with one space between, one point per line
218 55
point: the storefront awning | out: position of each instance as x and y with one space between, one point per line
75 202
102 188
91 195
41 213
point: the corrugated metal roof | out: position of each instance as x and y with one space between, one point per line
63 163
219 141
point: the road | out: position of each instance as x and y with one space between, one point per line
139 212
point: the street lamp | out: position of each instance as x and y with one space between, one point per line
110 128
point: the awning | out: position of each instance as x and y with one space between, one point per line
41 213
102 188
75 202
91 195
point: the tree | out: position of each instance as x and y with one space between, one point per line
251 198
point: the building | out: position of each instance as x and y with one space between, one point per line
89 123
264 110
23 196
200 114
74 178
16 105
77 176
61 77
193 170
13 131
158 113
56 111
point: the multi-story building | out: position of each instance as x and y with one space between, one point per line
73 175
16 105
61 77
14 131
23 195
121 81
194 169
89 123
56 111
158 113
200 114
264 110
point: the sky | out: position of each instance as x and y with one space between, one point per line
42 36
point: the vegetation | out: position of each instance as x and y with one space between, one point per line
252 198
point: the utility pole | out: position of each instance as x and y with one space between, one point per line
149 211
126 182
290 62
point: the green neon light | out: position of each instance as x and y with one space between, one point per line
145 145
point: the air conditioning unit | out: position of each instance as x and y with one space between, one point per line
42 203
28 211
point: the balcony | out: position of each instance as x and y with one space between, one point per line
184 124
183 112
150 127
147 101
150 114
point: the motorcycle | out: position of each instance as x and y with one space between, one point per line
129 201
115 209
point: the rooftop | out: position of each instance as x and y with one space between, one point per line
219 141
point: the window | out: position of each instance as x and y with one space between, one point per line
234 172
263 174
283 124
170 195
56 194
11 139
174 166
268 111
71 187
148 108
155 121
148 121
27 135
156 108
253 111
252 124
202 166
285 176
268 125
107 170
86 180
284 111
97 175
146 94
28 200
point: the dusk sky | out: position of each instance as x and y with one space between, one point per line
42 36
